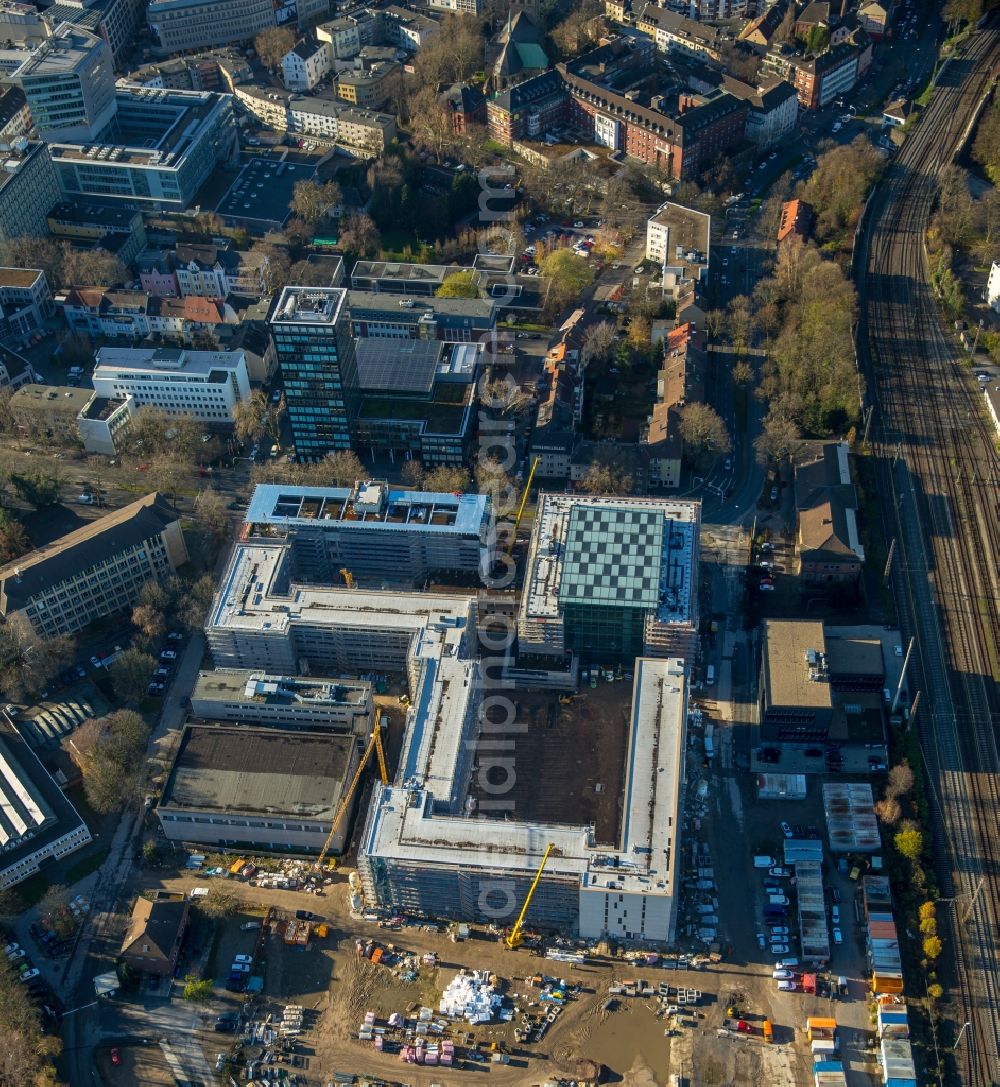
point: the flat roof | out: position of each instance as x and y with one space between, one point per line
786 643
248 770
423 306
582 550
62 53
19 277
267 192
309 306
165 360
63 400
389 365
402 824
690 229
851 823
255 595
387 510
257 686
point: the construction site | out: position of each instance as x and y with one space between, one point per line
569 759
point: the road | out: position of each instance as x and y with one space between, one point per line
938 476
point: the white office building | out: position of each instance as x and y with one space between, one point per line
70 85
206 385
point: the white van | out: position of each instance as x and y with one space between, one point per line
764 862
197 892
710 675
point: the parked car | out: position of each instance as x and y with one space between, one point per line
782 975
779 872
168 655
175 636
838 936
786 829
787 986
243 958
779 930
304 915
779 949
85 499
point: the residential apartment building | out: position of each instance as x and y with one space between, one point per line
69 85
25 301
679 239
15 120
257 698
28 190
410 30
311 332
455 320
376 532
152 943
773 110
674 33
357 131
38 824
205 385
828 544
184 25
164 146
819 80
796 699
342 36
369 86
134 315
119 230
95 571
305 65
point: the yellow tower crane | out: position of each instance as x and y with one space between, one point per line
514 937
524 502
374 744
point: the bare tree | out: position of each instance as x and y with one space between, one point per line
607 474
131 673
114 768
412 473
28 662
778 440
272 44
210 509
313 200
598 343
447 479
150 621
703 430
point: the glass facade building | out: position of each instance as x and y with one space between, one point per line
312 337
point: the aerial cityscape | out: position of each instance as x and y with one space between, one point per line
499 532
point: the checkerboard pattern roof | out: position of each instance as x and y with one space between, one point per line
613 556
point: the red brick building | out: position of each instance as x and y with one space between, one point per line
462 105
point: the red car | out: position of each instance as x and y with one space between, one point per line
116 1056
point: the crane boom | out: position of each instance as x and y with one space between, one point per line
524 502
374 744
513 940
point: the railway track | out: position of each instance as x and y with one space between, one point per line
939 478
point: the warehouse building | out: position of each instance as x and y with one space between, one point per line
262 618
37 822
379 535
95 571
611 579
257 788
311 702
423 849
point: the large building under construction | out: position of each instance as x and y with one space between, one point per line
610 579
425 848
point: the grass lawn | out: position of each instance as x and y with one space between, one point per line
396 241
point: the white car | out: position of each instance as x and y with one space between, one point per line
30 975
778 872
786 829
779 949
835 915
578 225
85 499
838 937
240 968
779 930
786 963
782 975
243 958
787 986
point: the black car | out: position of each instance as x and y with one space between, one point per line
304 915
227 1024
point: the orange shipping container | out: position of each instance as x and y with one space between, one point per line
377 955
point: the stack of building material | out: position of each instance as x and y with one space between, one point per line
470 996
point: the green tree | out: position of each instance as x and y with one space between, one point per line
459 285
817 39
910 843
11 904
197 989
131 673
14 540
567 276
38 489
113 765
